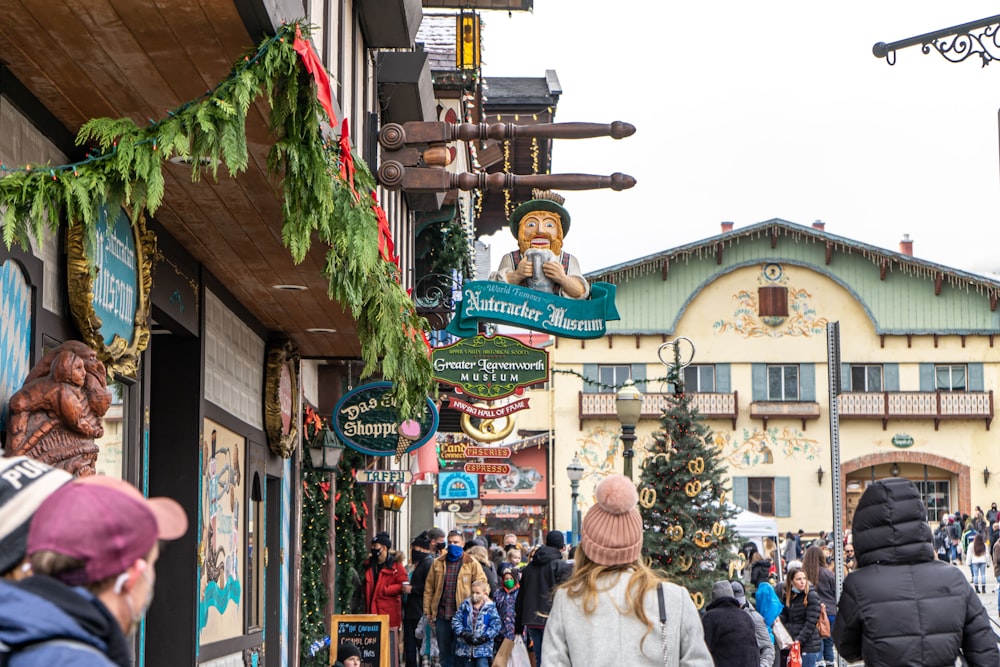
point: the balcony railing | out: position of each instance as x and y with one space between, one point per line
936 405
710 405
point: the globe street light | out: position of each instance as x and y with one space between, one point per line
628 406
575 473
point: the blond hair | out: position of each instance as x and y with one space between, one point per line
586 583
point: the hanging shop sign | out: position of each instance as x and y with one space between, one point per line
464 506
383 476
487 468
494 301
452 451
490 367
484 412
366 419
487 452
109 285
457 486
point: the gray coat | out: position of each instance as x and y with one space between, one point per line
608 637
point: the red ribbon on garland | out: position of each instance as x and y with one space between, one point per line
386 246
313 65
346 158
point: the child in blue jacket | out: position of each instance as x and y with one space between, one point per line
476 624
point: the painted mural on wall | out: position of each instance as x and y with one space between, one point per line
222 514
600 452
760 447
801 320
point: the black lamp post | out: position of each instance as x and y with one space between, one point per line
575 473
628 406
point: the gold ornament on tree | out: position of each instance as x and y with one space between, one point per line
647 497
675 533
685 562
698 599
702 539
693 488
696 466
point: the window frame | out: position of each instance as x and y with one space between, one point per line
698 384
616 381
951 368
934 509
866 368
759 505
784 368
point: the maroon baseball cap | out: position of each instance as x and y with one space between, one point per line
104 522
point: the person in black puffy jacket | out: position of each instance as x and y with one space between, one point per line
801 614
902 607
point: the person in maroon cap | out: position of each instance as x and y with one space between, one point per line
93 546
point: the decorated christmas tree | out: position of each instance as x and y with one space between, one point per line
683 500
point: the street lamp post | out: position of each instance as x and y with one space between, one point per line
628 406
575 473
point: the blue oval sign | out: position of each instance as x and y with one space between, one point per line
365 419
116 285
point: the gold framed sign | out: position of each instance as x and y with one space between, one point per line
281 397
109 285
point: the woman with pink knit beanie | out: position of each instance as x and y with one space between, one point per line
608 612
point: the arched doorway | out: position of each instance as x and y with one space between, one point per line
943 483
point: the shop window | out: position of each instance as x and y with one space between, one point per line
936 495
767 496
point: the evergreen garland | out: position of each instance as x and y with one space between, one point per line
315 549
126 168
687 523
350 514
444 248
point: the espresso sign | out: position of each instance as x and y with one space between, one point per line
367 420
490 367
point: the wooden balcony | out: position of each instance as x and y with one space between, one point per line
710 406
936 405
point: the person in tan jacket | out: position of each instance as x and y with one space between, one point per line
449 582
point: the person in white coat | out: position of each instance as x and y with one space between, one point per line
608 612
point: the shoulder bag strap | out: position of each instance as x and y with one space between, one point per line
663 623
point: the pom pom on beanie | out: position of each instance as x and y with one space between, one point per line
612 529
616 494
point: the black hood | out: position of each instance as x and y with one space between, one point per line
890 525
544 556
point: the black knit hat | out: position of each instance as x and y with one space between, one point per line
347 650
383 539
422 541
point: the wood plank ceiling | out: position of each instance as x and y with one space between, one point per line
84 59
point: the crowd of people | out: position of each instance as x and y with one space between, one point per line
903 603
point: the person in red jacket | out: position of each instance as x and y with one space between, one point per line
385 582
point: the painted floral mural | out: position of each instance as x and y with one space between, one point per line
801 320
763 446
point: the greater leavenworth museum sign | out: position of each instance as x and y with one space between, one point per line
490 367
366 420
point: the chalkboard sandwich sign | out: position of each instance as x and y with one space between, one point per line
369 632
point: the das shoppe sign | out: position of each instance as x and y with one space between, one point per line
490 367
366 420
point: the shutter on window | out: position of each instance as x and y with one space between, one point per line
975 377
740 492
782 497
758 374
807 382
723 383
890 377
926 377
772 301
845 377
590 371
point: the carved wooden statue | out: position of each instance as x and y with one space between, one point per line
59 411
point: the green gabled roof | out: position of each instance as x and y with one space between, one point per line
901 293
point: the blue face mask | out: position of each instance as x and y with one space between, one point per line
455 552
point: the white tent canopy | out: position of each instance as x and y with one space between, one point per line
755 527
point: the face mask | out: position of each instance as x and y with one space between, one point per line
455 552
509 584
376 554
477 598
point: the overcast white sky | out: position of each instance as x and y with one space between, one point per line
747 111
